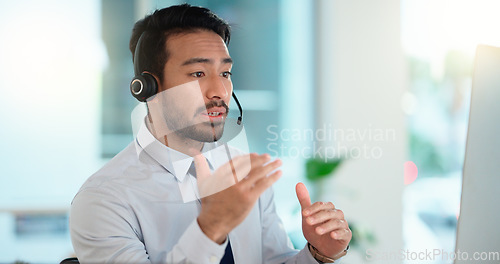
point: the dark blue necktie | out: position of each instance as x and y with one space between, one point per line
228 256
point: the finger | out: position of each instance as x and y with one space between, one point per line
324 215
247 168
261 185
246 163
331 225
201 166
240 166
260 172
223 177
259 160
341 234
318 206
303 195
239 163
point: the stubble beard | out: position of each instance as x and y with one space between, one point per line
202 132
183 126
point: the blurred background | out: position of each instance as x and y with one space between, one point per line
365 101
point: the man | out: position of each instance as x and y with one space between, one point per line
177 194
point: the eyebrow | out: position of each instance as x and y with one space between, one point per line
205 60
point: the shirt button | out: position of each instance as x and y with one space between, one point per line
214 259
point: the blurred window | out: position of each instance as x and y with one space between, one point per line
440 38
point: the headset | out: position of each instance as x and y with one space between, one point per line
144 85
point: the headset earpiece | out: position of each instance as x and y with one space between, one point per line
143 86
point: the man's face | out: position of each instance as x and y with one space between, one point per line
198 75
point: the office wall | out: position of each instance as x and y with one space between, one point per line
361 78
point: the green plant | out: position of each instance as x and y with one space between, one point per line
318 168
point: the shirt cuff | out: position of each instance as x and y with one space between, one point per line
198 248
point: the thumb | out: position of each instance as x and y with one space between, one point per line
303 195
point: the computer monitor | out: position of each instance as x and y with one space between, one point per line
478 230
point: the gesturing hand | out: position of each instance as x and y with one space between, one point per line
323 225
229 194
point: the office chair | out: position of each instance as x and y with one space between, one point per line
70 261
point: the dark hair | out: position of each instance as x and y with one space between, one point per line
158 26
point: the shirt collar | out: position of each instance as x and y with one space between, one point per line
177 163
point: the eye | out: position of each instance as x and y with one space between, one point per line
198 74
226 74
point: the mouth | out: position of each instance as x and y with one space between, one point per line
215 114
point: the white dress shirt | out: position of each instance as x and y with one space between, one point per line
142 206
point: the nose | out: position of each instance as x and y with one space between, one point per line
218 88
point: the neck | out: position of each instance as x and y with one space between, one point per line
173 140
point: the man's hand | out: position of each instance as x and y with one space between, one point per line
323 225
225 203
